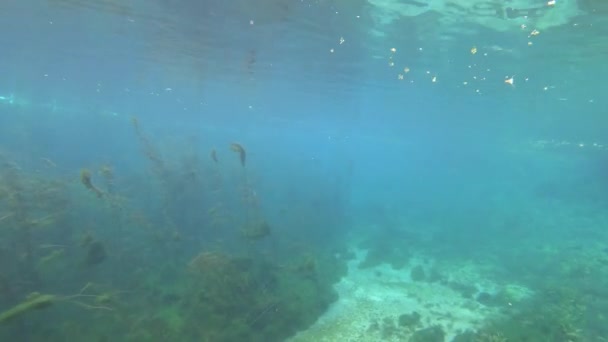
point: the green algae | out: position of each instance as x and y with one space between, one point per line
34 301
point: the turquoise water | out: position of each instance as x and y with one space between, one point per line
281 170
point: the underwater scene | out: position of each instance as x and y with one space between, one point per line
303 170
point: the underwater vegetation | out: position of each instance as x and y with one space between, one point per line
96 253
213 155
33 301
238 148
249 299
149 150
37 301
85 179
28 205
256 230
108 175
188 242
199 255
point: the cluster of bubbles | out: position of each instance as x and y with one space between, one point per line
568 145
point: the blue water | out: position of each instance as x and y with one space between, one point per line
460 134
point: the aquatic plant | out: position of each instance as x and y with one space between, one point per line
85 179
238 148
33 301
36 301
52 256
34 208
256 230
107 173
234 297
170 186
307 266
210 263
490 337
213 155
149 150
96 253
433 333
253 299
410 321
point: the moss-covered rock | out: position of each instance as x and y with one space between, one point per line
409 320
417 273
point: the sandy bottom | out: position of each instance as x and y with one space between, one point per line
372 299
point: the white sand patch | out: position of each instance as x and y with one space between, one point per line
373 298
